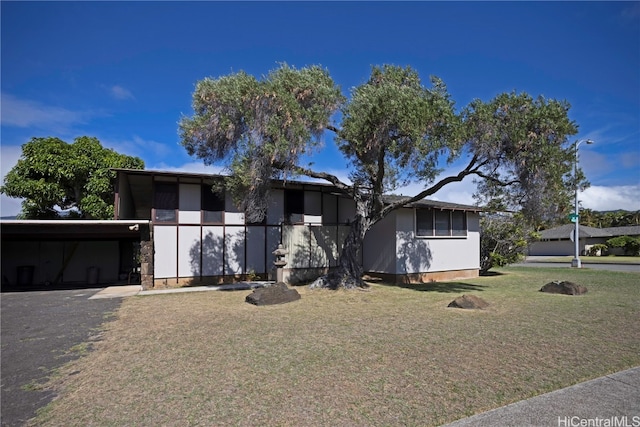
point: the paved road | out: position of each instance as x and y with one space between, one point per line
38 330
634 268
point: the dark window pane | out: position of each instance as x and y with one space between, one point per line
294 206
166 195
212 216
165 201
424 222
165 215
443 223
212 201
458 223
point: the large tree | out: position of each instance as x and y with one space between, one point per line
393 130
52 173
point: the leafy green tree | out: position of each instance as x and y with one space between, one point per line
630 245
393 130
504 239
53 173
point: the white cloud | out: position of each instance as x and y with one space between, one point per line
10 155
121 93
137 146
26 113
601 198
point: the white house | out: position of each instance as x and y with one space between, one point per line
199 236
558 241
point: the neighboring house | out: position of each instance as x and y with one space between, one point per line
558 241
199 236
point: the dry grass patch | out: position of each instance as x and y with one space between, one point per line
389 356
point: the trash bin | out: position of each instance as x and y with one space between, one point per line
25 275
92 275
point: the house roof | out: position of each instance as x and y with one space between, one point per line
425 203
564 232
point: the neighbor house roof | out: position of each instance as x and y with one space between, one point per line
564 232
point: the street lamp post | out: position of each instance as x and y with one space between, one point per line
575 262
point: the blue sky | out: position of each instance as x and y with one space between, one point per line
124 72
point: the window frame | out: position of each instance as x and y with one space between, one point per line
157 199
433 232
214 199
292 208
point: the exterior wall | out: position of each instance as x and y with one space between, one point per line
379 251
191 252
393 253
188 252
555 248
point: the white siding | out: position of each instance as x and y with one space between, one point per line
189 203
420 255
188 251
212 248
234 250
166 245
379 249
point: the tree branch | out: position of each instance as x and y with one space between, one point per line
344 188
471 169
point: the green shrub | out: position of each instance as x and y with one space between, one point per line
599 249
630 244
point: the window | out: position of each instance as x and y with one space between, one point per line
165 202
293 206
458 223
212 206
424 222
443 223
440 223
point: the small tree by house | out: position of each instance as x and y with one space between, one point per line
52 173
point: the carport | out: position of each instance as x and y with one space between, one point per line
65 253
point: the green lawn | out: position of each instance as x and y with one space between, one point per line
611 259
387 356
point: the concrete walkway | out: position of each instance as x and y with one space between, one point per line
612 400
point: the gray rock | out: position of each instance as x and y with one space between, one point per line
566 288
470 302
274 294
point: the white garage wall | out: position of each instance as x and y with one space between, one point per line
212 248
188 251
166 246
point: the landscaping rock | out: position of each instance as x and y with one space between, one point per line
470 302
274 294
566 288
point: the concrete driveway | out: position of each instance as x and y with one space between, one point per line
39 330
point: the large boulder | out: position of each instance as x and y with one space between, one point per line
469 302
274 294
566 288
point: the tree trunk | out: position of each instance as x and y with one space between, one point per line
348 274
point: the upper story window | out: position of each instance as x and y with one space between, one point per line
165 202
294 206
212 206
440 223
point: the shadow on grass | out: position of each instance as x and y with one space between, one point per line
492 274
443 287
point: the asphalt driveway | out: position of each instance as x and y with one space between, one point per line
39 331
